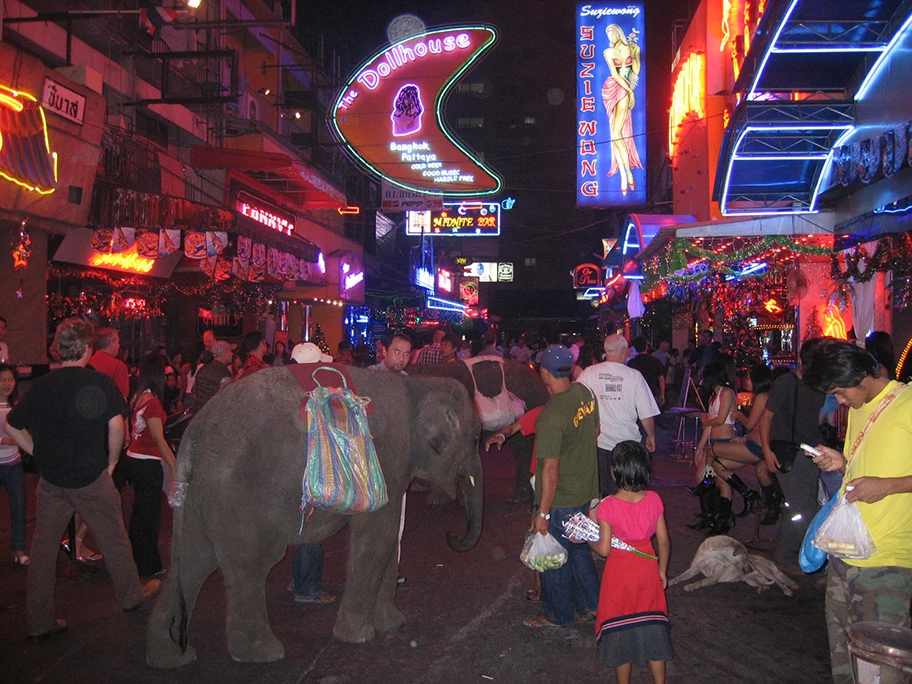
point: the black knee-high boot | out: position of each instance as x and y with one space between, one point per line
708 505
772 498
723 520
750 496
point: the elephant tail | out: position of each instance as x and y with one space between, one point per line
178 627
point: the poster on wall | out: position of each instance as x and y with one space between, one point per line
389 115
610 104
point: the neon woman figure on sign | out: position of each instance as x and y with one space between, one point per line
623 59
407 109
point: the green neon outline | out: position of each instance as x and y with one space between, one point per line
442 94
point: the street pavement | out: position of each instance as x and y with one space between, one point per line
464 612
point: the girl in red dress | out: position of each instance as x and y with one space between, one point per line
632 621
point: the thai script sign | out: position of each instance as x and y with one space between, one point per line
63 101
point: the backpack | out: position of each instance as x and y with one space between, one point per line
501 410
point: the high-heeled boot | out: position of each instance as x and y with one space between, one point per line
723 520
706 484
772 498
707 508
750 496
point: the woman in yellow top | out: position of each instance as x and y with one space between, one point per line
623 59
878 475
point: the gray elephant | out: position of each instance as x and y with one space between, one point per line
522 381
243 457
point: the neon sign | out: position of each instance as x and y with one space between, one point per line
271 217
835 326
445 305
444 280
389 115
688 99
352 279
611 104
468 218
25 150
424 278
124 261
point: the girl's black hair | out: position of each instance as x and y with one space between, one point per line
879 345
715 374
630 465
14 397
761 378
151 376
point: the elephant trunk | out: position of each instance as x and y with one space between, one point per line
471 485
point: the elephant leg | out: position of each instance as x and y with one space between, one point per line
167 643
521 446
250 639
371 582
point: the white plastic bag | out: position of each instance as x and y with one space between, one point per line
844 534
542 552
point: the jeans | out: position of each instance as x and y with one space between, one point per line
145 520
574 586
307 569
12 479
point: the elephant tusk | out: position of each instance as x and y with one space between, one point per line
472 479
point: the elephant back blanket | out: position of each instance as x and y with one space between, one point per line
342 473
500 410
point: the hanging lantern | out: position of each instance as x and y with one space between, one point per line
22 247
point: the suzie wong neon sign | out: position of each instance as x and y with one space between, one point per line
389 115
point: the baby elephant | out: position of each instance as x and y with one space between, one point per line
723 559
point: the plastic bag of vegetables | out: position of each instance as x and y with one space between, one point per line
542 552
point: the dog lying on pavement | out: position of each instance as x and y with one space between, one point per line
723 559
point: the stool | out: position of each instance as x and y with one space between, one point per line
881 653
681 442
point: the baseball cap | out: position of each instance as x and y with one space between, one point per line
557 360
222 347
308 352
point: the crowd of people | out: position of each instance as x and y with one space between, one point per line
95 426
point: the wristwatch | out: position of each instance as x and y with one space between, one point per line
546 516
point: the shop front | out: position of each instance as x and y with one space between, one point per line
51 124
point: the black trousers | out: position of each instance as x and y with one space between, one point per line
145 521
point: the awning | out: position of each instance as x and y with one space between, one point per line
809 63
299 181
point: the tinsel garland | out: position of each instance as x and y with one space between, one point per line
881 261
672 262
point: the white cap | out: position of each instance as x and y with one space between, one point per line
308 352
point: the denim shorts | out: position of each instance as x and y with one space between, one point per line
754 448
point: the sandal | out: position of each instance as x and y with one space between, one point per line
533 595
541 622
316 597
21 559
588 616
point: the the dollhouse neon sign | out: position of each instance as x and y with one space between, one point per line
389 118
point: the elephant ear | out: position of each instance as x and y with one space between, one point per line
438 421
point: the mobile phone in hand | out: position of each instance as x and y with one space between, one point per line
811 451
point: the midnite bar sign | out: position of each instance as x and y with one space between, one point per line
269 216
389 116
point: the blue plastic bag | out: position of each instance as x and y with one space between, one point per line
810 558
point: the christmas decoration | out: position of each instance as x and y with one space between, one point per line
319 338
813 325
22 247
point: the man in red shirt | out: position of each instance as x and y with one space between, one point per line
255 348
104 360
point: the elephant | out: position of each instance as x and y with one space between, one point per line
522 381
242 460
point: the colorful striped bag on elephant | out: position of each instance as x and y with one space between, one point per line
342 474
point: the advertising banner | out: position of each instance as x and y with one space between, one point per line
389 115
610 104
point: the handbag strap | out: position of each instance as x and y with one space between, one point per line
875 414
328 368
794 408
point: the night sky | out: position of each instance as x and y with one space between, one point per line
537 50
